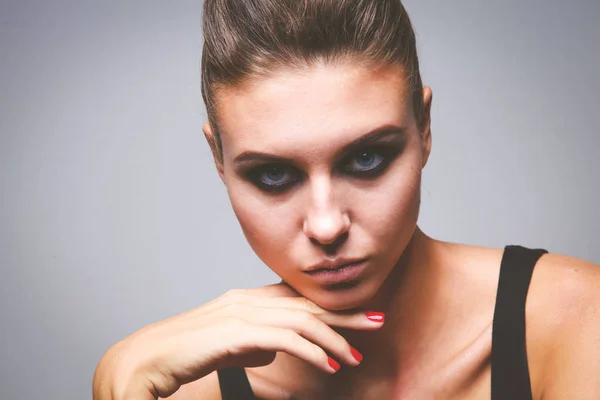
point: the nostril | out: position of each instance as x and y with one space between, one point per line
332 247
326 230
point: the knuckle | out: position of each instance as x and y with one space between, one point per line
290 336
305 317
306 322
306 304
346 346
234 296
339 342
313 308
234 324
321 355
232 309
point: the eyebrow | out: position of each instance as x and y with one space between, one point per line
375 135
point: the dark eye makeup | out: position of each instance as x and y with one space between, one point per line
273 177
368 162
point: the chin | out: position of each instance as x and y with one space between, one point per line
342 297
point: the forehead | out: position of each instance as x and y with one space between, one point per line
311 107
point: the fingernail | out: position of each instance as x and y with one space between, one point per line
376 316
357 356
333 364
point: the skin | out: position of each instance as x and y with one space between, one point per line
329 212
308 116
438 297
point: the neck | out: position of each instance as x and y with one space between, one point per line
407 298
410 263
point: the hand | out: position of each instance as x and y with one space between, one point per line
242 328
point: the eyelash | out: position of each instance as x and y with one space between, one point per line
386 153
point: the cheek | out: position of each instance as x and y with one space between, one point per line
390 211
267 231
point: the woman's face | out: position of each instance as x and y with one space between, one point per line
323 168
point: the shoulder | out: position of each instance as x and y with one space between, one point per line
565 288
565 291
563 328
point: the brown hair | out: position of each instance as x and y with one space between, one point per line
245 39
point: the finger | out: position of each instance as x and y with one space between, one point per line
274 339
244 296
361 320
305 324
280 289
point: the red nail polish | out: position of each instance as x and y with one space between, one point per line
357 356
333 364
376 316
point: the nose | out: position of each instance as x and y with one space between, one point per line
325 223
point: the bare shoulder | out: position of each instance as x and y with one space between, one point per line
570 285
563 328
563 318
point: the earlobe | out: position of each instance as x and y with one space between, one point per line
214 147
426 127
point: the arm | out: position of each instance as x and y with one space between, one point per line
241 328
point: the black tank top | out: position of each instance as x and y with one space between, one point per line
510 371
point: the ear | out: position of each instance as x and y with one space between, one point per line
214 147
426 125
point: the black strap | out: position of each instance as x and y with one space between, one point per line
510 371
234 384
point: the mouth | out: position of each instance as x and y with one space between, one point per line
337 271
334 264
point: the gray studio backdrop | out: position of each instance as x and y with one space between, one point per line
112 217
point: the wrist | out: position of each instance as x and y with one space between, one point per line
121 376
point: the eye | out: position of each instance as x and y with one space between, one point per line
274 177
366 161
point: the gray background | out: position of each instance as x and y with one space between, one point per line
112 216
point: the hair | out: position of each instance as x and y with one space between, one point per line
245 40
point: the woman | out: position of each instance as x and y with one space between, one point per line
320 127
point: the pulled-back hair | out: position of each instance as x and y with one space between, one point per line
244 40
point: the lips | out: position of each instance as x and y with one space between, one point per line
337 272
335 264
